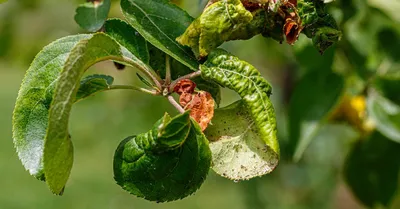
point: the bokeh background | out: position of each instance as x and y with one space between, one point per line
99 123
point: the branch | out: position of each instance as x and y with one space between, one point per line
152 92
168 70
175 104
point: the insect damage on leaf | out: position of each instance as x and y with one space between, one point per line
227 20
214 26
200 103
233 73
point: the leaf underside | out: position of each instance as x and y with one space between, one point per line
231 72
239 151
58 151
30 117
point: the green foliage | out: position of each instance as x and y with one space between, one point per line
58 149
161 31
92 14
31 112
386 114
372 170
354 83
314 98
167 163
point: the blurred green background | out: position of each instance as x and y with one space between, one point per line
99 123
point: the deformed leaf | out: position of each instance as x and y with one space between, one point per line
372 170
30 117
318 25
215 26
231 72
161 30
314 97
238 148
92 14
385 114
58 151
166 174
93 84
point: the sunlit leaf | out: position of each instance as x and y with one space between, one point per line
30 117
237 145
231 72
58 150
215 26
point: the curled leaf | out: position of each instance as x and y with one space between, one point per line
215 26
231 72
30 116
318 25
167 163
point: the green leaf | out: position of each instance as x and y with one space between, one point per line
215 26
161 30
237 145
30 117
93 84
167 163
58 149
92 15
231 72
314 97
2 1
372 170
144 80
385 114
128 37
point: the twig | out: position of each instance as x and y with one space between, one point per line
175 104
144 69
168 70
152 92
188 76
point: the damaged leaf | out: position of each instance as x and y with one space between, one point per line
237 145
215 26
201 104
231 72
